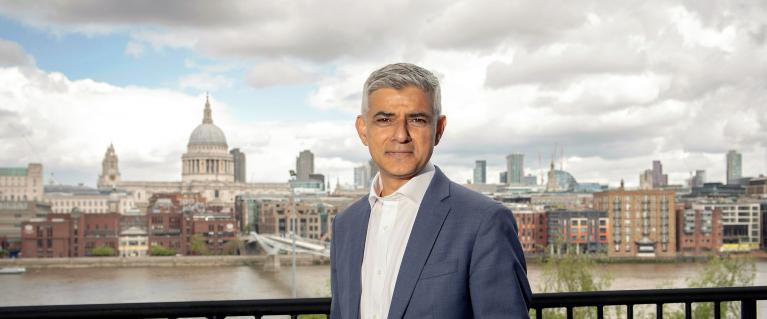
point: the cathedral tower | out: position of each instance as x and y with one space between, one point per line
207 157
110 171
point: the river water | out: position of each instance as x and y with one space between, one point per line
155 284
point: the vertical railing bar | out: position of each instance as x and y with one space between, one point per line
717 309
600 312
688 310
659 310
629 311
569 312
748 309
538 313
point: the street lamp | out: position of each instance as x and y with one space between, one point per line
293 232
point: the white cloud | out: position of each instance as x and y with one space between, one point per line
134 49
277 74
12 54
204 82
617 85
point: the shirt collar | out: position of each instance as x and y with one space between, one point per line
414 189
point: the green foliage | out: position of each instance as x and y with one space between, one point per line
723 271
158 250
103 251
572 273
198 245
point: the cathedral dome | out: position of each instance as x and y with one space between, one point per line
207 133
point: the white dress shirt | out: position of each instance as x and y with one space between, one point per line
391 220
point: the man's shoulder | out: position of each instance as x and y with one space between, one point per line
460 195
358 207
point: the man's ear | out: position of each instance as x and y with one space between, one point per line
362 129
441 123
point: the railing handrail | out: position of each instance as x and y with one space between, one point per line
262 307
647 296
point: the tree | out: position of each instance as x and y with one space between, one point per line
102 251
158 250
573 273
199 247
721 271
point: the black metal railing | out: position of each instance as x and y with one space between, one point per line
570 302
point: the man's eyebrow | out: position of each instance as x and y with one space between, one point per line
419 114
384 114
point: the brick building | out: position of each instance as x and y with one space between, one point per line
531 227
641 223
313 219
699 231
577 231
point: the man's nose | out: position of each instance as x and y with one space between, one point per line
402 132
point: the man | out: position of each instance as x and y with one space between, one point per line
420 246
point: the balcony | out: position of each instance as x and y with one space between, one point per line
747 296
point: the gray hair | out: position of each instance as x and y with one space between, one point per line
399 76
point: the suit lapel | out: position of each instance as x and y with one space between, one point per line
428 222
358 251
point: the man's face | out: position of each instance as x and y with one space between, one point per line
400 130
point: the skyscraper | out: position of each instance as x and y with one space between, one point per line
240 171
304 165
658 178
734 167
480 172
515 168
503 177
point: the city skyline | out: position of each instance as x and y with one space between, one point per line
615 95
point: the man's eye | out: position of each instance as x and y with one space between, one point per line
383 120
418 121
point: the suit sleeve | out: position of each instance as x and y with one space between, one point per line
497 272
335 311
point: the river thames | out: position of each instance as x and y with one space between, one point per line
155 284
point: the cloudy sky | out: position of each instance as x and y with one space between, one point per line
613 85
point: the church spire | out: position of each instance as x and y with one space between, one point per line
207 117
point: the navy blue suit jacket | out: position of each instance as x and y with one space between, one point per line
462 260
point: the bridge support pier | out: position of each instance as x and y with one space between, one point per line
272 263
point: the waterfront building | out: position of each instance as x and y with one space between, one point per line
167 226
134 242
531 227
699 231
584 231
480 172
66 198
218 230
734 167
69 235
48 236
208 168
641 223
21 183
741 222
313 219
304 165
14 213
515 168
